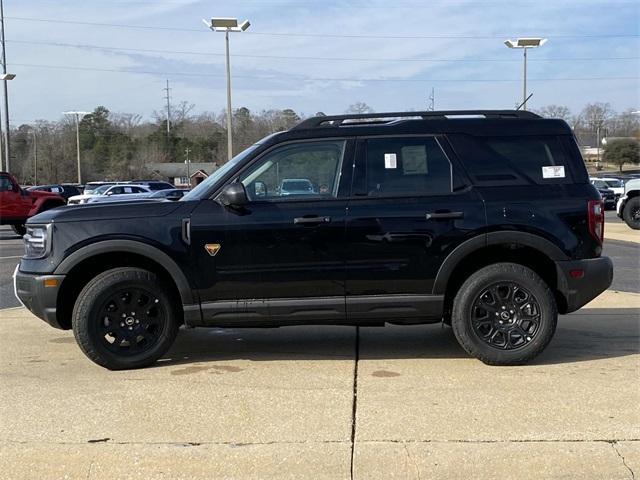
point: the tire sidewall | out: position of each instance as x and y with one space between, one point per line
88 311
626 213
483 279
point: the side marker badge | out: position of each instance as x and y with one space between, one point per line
212 248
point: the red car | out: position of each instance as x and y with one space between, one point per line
18 204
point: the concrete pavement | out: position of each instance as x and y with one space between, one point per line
325 402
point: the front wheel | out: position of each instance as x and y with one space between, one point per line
631 213
504 314
125 318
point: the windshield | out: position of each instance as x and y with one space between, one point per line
614 183
219 173
101 190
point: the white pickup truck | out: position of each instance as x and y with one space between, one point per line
628 206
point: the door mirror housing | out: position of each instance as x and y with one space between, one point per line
234 195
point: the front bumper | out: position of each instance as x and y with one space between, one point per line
39 294
578 291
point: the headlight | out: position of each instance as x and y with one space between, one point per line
37 241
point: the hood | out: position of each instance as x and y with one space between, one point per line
632 185
42 193
106 211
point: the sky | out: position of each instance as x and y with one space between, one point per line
318 55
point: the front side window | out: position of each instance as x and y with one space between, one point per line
296 171
407 166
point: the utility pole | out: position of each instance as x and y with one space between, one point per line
188 162
77 116
35 156
168 97
6 92
432 100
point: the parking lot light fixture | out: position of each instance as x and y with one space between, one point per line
227 25
525 44
77 116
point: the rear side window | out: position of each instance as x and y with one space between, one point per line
407 166
514 160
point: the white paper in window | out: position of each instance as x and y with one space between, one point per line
554 171
390 160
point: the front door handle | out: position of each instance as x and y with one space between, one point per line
311 220
444 215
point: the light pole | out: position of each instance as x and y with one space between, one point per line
525 44
77 116
227 25
5 77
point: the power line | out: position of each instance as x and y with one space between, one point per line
323 79
322 35
287 57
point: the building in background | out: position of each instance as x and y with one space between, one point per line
179 174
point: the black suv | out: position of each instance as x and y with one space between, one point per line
484 220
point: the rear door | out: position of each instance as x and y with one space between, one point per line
409 209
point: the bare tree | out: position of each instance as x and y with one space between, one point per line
359 107
556 111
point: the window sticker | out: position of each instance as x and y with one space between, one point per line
414 160
555 171
390 160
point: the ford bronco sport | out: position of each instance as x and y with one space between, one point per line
484 220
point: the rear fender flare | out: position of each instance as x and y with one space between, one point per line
486 240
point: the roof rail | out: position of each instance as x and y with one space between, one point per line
376 118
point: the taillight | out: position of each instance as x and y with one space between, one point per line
596 219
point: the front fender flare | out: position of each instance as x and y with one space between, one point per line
131 246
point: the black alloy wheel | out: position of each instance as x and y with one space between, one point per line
126 318
506 316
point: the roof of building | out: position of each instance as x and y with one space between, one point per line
179 169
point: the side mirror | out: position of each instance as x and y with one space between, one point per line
234 195
109 194
259 189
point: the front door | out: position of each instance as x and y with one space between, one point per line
409 211
281 258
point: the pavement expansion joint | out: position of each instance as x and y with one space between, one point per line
615 447
354 410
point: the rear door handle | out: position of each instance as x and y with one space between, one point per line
444 215
315 220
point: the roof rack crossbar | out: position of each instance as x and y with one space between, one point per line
339 120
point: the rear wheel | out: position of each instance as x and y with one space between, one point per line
124 318
631 213
504 314
19 229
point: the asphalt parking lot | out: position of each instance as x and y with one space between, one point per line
328 402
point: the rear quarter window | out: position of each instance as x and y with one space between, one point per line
514 160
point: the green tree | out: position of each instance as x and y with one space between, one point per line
621 151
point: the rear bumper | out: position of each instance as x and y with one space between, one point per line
578 291
41 300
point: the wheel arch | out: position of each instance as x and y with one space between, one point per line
526 249
86 262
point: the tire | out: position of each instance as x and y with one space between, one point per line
19 229
482 326
631 213
125 318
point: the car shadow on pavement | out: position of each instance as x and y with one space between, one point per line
586 336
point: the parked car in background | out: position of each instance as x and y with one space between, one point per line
296 186
614 184
65 191
154 185
18 204
628 207
90 187
172 195
122 193
608 198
